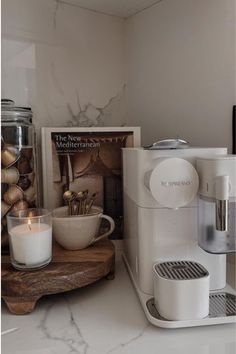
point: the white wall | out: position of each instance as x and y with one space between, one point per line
181 71
56 57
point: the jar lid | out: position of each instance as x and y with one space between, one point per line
7 102
14 113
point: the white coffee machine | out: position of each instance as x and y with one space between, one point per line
180 212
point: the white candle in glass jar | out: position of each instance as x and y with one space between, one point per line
31 243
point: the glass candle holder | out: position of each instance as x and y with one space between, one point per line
30 236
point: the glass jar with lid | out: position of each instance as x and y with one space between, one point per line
18 160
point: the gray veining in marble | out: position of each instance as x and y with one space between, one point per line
131 340
68 331
57 4
92 116
121 8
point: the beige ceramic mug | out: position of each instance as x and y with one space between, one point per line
79 231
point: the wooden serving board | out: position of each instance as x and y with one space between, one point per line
68 270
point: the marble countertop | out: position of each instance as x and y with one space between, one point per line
105 318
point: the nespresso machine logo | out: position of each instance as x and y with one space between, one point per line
175 183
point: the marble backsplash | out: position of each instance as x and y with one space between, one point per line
65 62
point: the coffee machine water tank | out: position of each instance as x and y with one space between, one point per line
217 203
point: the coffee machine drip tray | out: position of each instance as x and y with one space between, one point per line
222 310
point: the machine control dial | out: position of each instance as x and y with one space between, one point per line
173 183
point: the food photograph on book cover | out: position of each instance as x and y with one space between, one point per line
90 162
